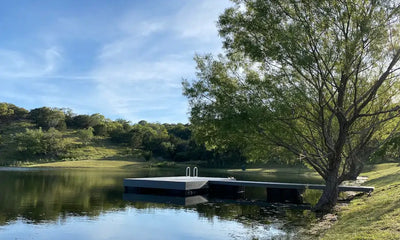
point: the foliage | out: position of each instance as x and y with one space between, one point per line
47 118
86 135
39 143
119 131
10 112
317 78
100 130
389 151
85 121
117 139
179 130
150 138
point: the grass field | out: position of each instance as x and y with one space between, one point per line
124 164
376 216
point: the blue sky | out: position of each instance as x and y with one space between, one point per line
123 59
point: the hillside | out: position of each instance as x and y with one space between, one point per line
54 134
76 148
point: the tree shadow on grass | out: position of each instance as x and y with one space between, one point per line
385 180
380 205
374 212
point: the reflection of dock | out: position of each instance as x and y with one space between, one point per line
176 200
189 186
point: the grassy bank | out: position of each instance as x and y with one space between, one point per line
123 164
376 216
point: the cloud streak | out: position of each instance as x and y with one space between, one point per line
16 64
140 72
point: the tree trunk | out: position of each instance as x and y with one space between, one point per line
330 194
355 170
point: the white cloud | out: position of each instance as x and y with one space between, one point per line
139 73
17 64
197 19
134 89
52 58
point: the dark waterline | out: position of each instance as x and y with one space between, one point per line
88 204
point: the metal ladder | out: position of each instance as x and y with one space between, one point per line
195 172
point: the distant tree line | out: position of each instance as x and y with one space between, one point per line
171 142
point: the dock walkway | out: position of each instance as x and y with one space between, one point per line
197 183
299 186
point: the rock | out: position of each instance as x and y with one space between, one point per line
330 217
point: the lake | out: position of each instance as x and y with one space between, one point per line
89 204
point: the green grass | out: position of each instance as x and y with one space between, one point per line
376 216
123 164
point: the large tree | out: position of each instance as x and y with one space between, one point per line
48 118
317 78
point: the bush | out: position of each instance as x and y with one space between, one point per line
38 143
48 118
100 130
86 135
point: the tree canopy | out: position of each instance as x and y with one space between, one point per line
317 78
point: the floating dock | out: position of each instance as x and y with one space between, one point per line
189 186
182 186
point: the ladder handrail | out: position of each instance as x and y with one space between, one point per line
187 171
195 172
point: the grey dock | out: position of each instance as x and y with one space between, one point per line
299 186
173 183
189 186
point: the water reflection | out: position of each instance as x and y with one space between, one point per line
46 195
175 200
89 204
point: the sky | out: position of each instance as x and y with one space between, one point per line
122 59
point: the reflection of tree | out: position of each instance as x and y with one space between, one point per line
249 213
38 196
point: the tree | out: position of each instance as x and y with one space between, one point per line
119 131
150 137
86 135
179 130
48 118
84 121
317 78
9 112
80 122
38 143
5 112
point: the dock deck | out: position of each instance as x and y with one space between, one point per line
299 186
173 183
196 183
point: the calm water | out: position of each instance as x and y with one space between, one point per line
89 204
